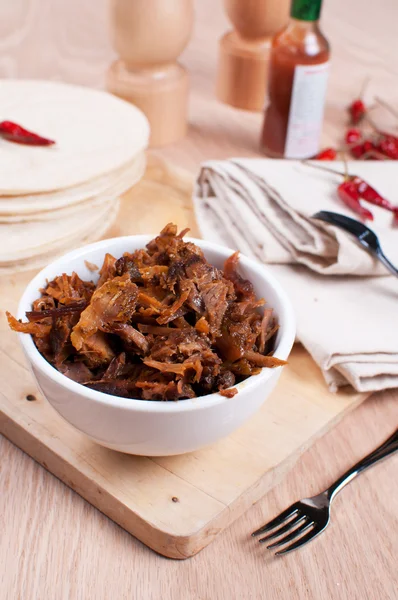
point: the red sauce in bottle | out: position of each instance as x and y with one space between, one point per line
297 82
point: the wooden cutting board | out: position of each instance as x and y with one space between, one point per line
175 505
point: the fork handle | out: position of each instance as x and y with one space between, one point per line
388 447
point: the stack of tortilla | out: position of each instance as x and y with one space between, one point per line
56 198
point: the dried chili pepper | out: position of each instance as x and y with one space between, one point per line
371 195
392 137
348 192
353 135
362 148
357 110
385 143
13 132
357 151
326 154
354 189
388 145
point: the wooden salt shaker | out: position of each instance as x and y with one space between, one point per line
244 52
149 36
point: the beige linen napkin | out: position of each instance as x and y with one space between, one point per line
264 208
349 324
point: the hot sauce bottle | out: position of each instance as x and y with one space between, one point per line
297 80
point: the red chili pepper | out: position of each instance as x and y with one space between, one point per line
15 133
389 135
357 111
354 188
357 151
388 145
370 194
353 135
360 149
327 154
349 194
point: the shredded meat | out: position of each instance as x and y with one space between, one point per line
116 367
90 266
127 264
264 334
161 323
214 296
38 330
182 369
38 315
108 270
113 302
61 345
130 336
77 371
243 287
202 326
263 361
172 390
43 303
230 393
68 289
96 350
225 380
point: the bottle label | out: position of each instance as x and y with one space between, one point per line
307 102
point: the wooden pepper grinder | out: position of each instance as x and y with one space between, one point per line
244 52
149 36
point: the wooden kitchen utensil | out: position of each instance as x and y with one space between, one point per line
149 37
243 54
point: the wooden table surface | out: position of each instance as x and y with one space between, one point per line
55 546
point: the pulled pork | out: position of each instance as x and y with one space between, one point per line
160 324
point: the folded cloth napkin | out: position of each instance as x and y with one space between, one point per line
264 207
349 324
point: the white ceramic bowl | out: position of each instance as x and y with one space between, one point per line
152 428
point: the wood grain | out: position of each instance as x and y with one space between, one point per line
53 544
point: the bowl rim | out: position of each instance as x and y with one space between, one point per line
202 402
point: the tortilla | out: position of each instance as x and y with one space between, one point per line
21 241
41 260
117 189
27 207
55 215
96 133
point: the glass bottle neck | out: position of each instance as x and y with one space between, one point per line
304 25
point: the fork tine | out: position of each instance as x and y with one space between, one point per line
289 525
289 512
293 535
304 540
